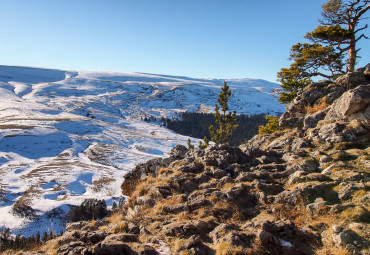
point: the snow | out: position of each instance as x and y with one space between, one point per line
66 136
285 243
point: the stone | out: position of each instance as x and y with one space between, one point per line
177 208
92 237
311 191
178 152
311 120
351 79
132 228
126 238
146 201
267 238
221 230
112 247
353 104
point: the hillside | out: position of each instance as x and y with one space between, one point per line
66 136
301 190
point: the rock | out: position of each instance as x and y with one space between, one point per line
351 79
218 173
329 133
367 72
112 247
325 159
194 240
133 228
237 239
267 238
178 152
354 104
311 120
296 177
309 191
221 230
126 238
185 229
318 207
346 238
92 237
145 201
177 208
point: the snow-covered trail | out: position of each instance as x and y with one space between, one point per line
66 135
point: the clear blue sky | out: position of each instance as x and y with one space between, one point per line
197 38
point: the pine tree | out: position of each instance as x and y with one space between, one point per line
190 146
224 119
336 36
205 145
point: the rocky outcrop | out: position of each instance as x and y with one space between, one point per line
303 190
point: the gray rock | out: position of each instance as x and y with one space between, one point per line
351 79
126 238
267 238
178 152
133 228
176 208
351 105
318 207
112 247
146 201
92 237
310 191
221 230
291 122
311 120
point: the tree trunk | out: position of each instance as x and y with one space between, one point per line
352 56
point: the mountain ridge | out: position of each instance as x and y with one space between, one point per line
63 133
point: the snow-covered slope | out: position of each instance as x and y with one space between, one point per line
70 135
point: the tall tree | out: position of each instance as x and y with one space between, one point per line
339 27
337 35
225 120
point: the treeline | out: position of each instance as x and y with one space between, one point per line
90 209
18 242
196 125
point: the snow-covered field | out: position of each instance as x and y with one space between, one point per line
70 135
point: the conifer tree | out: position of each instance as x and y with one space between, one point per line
205 145
335 37
190 146
224 119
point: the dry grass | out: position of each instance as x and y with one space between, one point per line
332 250
119 221
359 193
355 214
225 248
316 107
50 247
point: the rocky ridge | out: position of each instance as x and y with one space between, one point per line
301 190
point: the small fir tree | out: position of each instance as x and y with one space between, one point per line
225 120
204 145
271 126
190 146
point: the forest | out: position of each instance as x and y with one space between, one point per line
197 124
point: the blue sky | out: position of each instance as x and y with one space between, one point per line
196 38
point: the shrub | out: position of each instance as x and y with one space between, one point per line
271 126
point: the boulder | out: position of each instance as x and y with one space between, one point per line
311 120
178 152
354 104
112 247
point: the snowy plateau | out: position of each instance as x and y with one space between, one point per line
66 136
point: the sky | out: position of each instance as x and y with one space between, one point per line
195 38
